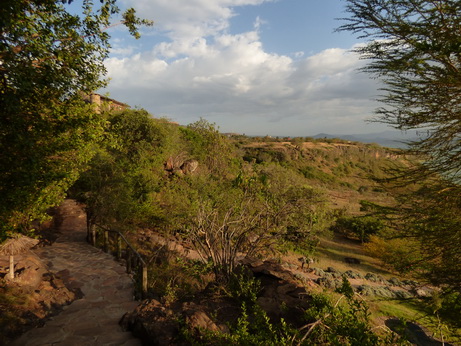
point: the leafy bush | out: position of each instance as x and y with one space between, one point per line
361 227
310 172
344 322
401 255
336 323
450 308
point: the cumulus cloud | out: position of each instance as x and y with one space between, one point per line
204 71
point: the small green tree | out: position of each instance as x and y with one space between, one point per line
252 216
361 227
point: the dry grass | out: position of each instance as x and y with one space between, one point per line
331 253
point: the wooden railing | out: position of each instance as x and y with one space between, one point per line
115 242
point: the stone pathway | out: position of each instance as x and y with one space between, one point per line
107 289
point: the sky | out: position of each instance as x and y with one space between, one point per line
254 67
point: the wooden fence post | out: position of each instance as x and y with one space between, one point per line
106 241
93 234
119 247
144 280
128 260
88 227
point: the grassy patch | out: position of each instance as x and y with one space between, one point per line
331 253
412 311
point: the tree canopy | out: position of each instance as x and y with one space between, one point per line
49 58
414 48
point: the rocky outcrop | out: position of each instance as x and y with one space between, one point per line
179 165
158 324
280 297
42 292
280 288
189 166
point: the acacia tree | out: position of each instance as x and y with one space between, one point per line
254 217
414 48
48 59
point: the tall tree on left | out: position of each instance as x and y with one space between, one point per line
49 58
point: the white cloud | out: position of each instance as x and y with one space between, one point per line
204 71
192 18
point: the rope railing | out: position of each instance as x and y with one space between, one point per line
133 260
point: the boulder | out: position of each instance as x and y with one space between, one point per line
173 163
374 278
198 320
353 275
189 166
395 282
423 292
151 322
279 287
318 271
329 282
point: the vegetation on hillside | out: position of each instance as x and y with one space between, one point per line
232 197
245 197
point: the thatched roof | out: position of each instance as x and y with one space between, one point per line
15 246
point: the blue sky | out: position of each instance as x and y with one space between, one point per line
259 67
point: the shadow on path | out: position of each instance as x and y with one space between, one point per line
107 290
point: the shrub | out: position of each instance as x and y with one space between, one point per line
362 226
401 255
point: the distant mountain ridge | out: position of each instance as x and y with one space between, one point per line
391 139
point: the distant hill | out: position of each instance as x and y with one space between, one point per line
390 139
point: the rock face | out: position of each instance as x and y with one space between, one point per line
152 322
157 324
45 291
280 297
189 166
179 165
280 288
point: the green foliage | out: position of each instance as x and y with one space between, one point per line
415 52
328 324
126 172
450 307
14 307
244 288
336 324
210 147
360 226
402 255
253 326
175 278
314 173
431 216
253 214
265 155
49 59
